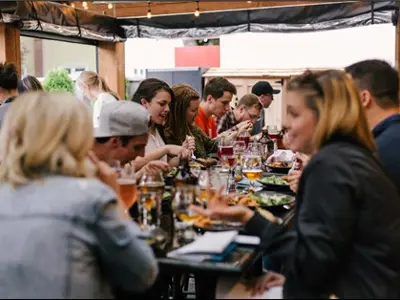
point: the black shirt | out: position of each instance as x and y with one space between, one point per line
346 239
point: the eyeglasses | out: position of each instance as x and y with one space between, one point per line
252 117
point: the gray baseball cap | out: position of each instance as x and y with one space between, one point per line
122 118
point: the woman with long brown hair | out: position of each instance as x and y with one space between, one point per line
180 121
346 238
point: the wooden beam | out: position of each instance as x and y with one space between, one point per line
397 46
10 47
111 60
124 10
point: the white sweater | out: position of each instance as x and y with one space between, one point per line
102 99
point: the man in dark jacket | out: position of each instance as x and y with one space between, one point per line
8 87
378 84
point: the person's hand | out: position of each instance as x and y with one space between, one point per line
104 172
189 143
186 154
265 282
293 179
218 209
244 126
173 150
109 177
156 166
304 158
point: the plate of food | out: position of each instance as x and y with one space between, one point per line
282 167
203 224
272 201
203 162
275 182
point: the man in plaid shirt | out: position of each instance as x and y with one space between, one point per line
248 109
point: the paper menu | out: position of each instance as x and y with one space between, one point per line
209 243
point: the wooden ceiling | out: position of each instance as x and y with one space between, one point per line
139 9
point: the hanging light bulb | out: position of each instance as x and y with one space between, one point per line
197 12
148 10
110 6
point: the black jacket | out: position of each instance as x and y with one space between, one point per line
346 240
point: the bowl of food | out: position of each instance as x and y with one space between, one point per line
282 167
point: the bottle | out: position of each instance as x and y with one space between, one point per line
183 173
267 144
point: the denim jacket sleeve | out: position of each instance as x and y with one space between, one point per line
127 259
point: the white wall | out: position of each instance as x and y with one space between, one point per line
334 48
150 54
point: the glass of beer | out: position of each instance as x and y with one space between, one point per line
126 181
252 168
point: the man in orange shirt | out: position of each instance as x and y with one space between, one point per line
218 94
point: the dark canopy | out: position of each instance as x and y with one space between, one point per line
62 20
274 19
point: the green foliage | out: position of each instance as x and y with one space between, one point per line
58 81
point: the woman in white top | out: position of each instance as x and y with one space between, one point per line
156 95
96 89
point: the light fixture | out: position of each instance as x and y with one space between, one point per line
197 12
110 6
148 10
84 4
248 2
73 5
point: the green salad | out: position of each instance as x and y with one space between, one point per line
277 180
272 199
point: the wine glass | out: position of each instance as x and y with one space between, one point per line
251 168
239 147
256 149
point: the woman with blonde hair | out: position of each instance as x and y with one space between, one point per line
346 238
65 234
96 89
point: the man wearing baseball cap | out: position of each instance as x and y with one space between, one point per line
122 132
265 93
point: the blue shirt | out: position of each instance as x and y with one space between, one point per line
387 138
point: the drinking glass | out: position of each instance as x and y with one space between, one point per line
245 137
252 168
256 149
204 187
239 147
184 197
126 181
225 147
151 193
229 160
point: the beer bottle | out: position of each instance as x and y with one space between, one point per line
267 144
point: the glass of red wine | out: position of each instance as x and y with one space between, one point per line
225 147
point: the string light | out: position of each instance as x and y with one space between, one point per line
148 10
197 12
110 6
